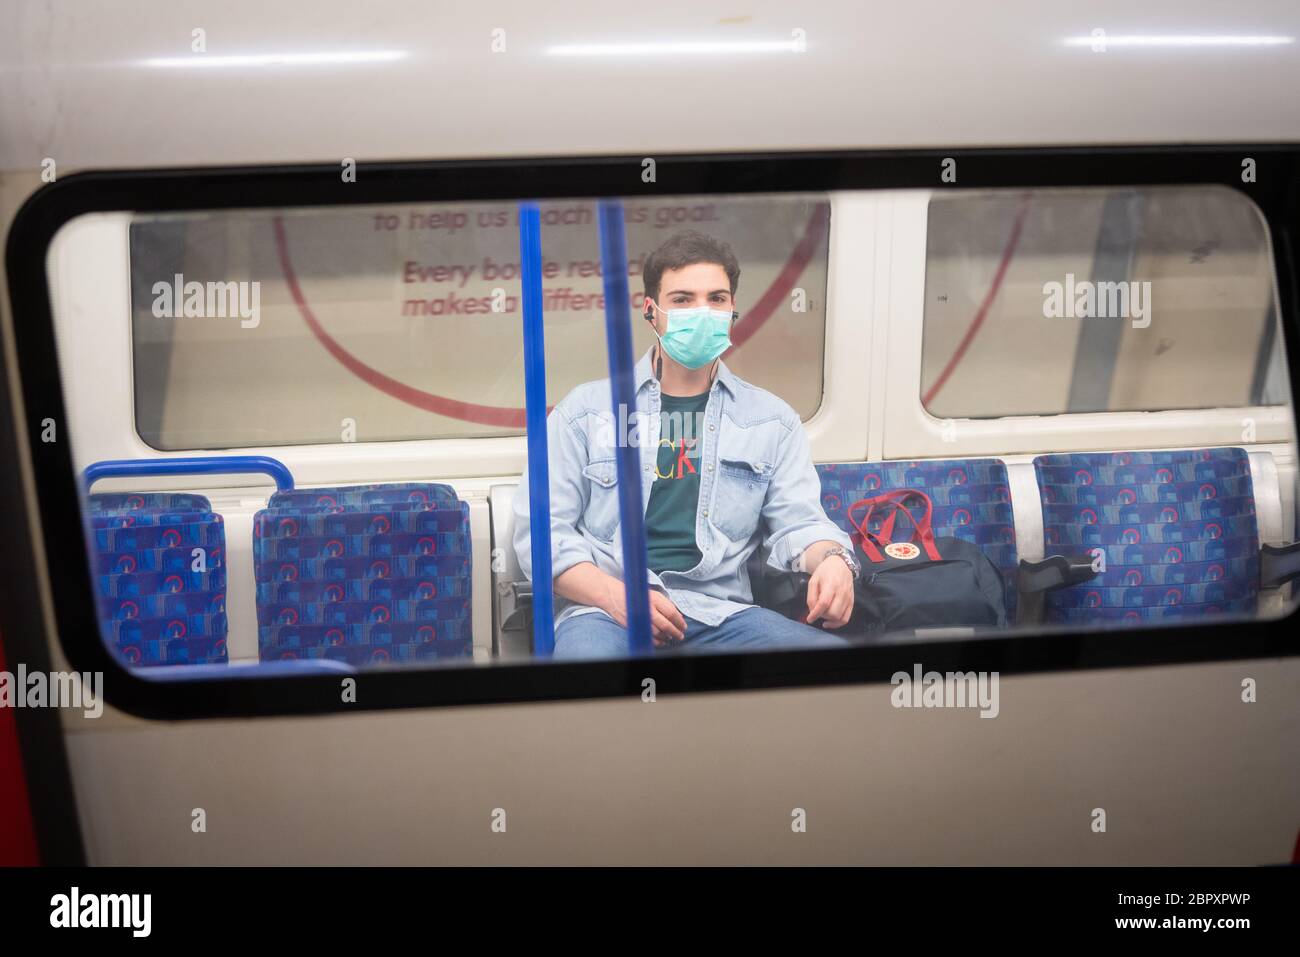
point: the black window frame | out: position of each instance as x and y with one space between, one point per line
1275 191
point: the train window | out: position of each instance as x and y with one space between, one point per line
1098 300
402 322
762 344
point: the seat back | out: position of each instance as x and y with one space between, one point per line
395 497
160 576
1178 530
364 574
972 501
117 503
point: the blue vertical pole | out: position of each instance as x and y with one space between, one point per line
622 388
539 473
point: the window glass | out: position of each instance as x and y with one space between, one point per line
343 325
404 320
1097 300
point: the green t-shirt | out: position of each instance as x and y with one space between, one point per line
675 495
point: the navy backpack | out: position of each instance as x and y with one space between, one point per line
921 582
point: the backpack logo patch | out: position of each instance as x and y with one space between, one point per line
902 550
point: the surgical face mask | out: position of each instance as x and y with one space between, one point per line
695 337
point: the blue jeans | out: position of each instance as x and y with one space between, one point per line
596 635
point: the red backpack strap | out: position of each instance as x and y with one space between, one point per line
866 538
923 527
897 498
923 531
886 533
871 541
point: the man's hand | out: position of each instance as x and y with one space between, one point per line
830 593
667 624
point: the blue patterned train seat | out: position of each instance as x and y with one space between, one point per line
115 502
160 577
394 497
1178 532
971 497
366 575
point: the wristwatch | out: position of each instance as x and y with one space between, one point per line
800 564
849 559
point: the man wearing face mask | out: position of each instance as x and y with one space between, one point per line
725 469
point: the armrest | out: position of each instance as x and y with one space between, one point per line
521 616
783 592
788 587
1055 571
1278 564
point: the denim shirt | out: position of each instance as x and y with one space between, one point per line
758 488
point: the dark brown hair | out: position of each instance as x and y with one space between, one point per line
686 249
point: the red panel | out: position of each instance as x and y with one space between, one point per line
17 836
